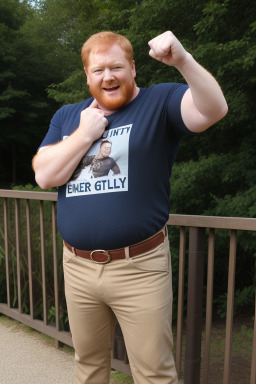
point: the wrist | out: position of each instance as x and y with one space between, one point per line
84 136
185 63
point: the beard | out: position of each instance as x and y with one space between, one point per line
113 102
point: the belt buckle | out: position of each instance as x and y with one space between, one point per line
106 253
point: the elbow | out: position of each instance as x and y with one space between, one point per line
42 182
224 110
206 121
46 181
41 177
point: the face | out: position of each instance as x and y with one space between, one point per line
110 77
105 150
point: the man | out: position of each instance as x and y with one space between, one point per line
100 165
116 252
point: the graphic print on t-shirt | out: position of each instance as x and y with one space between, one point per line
104 168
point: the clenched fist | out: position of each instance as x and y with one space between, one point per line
93 121
167 49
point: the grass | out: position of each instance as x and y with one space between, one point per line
241 351
243 341
119 378
242 338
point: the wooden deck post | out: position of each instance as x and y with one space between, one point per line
194 305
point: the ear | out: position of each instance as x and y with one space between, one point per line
87 75
133 69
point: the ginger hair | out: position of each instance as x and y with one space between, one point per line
104 40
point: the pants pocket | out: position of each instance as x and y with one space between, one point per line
67 255
155 260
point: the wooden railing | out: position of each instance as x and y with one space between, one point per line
28 229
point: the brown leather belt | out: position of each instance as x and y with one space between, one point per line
100 256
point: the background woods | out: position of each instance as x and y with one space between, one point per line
41 70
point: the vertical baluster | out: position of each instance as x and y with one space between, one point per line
182 250
208 330
194 307
42 237
253 367
30 274
55 268
6 247
230 307
17 230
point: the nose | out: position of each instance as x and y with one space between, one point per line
108 75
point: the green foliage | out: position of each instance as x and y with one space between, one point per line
243 340
243 298
214 186
27 65
71 90
63 316
120 378
33 188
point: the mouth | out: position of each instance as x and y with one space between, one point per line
111 89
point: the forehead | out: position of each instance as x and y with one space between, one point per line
104 55
106 145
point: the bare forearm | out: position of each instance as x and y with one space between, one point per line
55 164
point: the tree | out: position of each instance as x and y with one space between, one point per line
27 67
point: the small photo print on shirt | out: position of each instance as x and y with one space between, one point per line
104 168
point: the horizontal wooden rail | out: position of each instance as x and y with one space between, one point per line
38 325
237 223
30 195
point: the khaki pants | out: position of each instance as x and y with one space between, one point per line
138 293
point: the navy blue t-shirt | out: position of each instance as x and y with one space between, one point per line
131 201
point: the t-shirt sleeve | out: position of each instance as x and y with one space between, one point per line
53 135
173 109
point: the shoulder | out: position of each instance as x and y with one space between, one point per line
167 97
108 160
70 112
166 87
67 108
163 91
